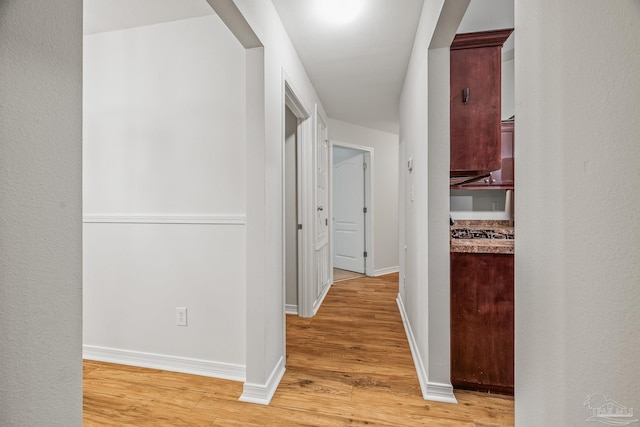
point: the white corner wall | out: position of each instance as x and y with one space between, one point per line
577 204
40 213
424 198
164 197
385 184
266 352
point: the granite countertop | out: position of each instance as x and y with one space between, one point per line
491 228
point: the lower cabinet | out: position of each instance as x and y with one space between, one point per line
482 324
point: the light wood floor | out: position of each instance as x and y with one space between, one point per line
349 365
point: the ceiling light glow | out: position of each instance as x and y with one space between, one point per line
339 11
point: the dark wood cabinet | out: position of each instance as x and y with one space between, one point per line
482 323
503 178
475 102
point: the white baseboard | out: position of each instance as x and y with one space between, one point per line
164 362
291 309
383 271
319 301
262 393
438 392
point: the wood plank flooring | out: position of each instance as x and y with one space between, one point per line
349 365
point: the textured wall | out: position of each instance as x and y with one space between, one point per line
577 227
40 213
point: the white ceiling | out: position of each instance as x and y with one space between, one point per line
484 15
357 69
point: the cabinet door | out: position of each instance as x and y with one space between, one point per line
475 109
482 324
503 178
475 101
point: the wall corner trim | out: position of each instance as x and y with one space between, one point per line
437 392
291 309
262 393
185 365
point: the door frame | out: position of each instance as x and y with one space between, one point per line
304 141
287 225
368 200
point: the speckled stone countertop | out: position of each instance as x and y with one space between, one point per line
480 245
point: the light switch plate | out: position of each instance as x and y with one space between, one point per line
181 316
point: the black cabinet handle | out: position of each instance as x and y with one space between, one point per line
465 95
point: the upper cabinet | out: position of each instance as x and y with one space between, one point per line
476 71
501 179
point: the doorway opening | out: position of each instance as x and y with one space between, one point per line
292 222
296 135
352 232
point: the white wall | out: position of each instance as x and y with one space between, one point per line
385 180
480 204
438 220
40 213
508 108
577 251
164 146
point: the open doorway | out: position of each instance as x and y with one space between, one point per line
351 215
296 137
291 223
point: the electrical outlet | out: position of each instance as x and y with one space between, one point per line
181 316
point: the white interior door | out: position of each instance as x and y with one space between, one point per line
349 209
322 185
323 257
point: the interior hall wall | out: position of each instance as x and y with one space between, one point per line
40 213
165 195
577 252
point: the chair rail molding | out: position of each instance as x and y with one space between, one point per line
212 219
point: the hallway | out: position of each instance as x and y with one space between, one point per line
349 365
352 363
